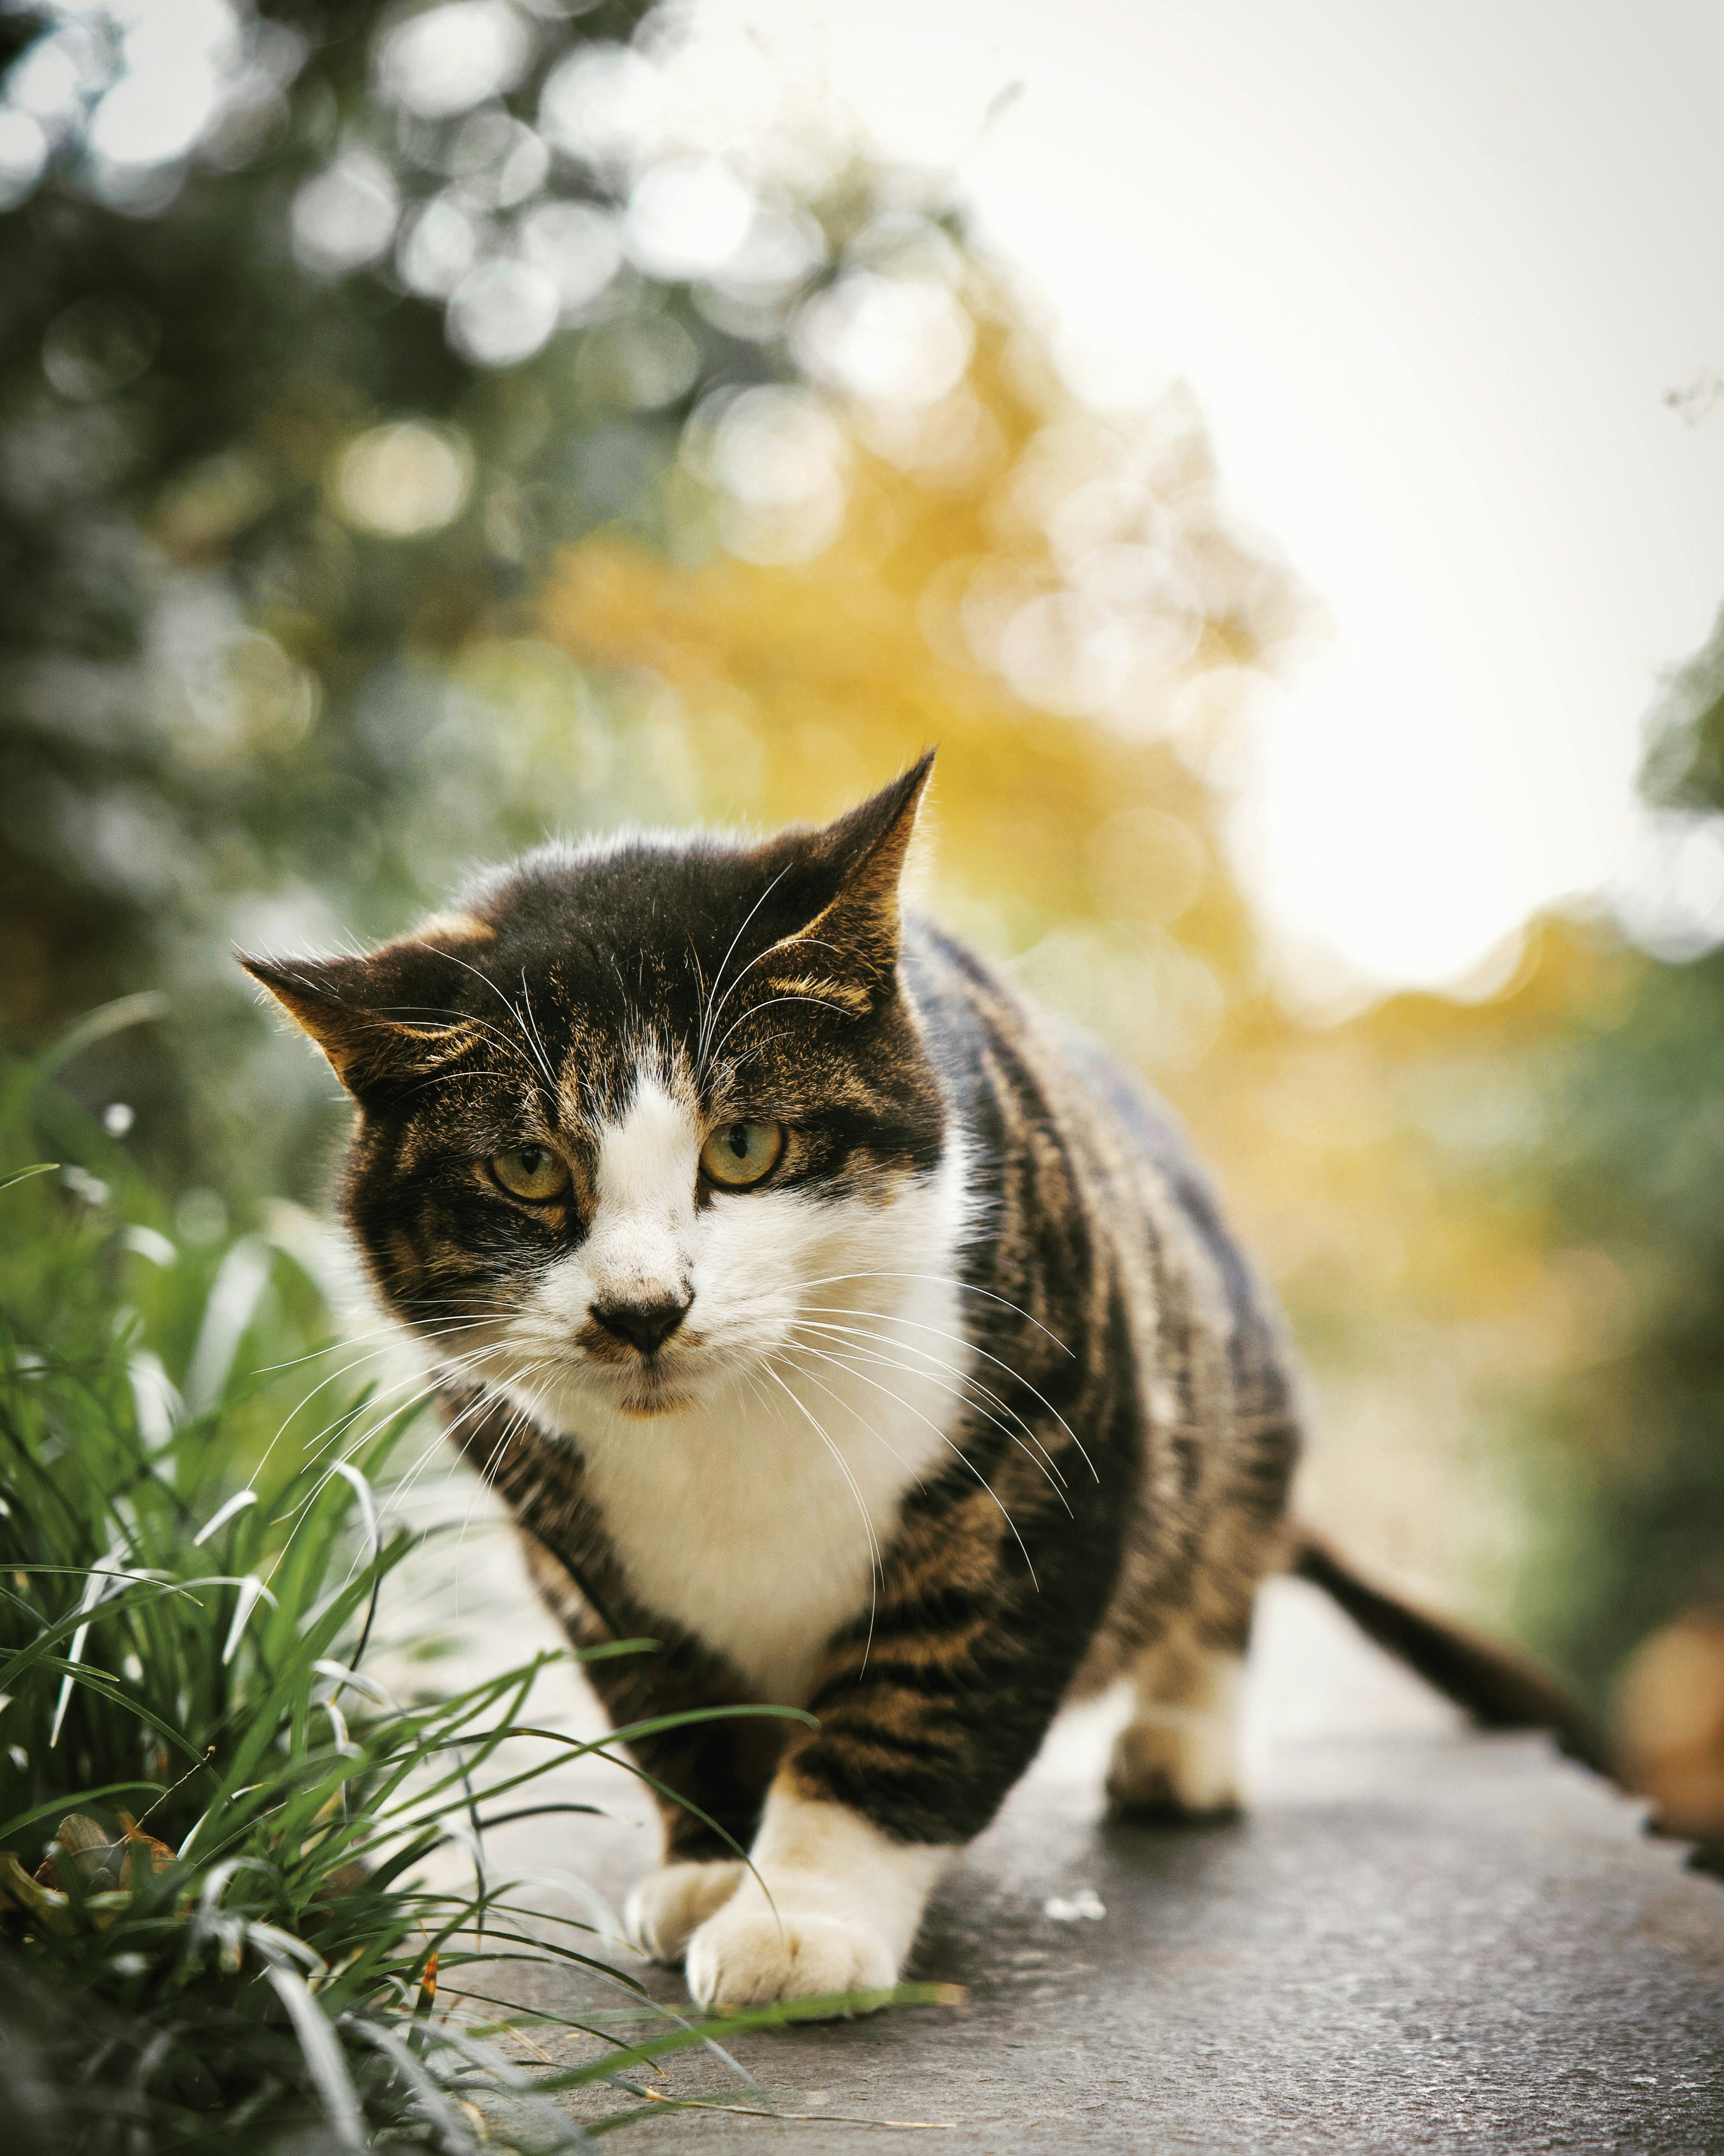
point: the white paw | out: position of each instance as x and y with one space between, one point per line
746 1956
1186 1765
667 1907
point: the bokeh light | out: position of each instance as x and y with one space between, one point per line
446 59
345 216
406 478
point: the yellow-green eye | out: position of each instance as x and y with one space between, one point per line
742 1153
532 1171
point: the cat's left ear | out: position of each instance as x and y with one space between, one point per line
382 1020
848 951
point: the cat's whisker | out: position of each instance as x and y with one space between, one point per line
530 1026
425 1380
511 1430
487 1470
852 1410
345 1369
814 942
754 1010
467 1078
956 1448
975 1392
401 1488
404 1486
489 1298
952 1385
710 1016
819 1311
302 1512
491 1032
948 1280
389 1331
874 1570
549 1075
843 1466
702 999
941 1333
977 1389
877 1569
440 1384
336 1433
450 1433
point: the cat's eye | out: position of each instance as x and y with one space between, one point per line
530 1170
738 1154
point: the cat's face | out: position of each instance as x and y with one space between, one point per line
629 1110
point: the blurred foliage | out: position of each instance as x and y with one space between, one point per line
190 620
1499 1227
1628 1442
1684 763
297 412
1051 597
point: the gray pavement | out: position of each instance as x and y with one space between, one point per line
1418 1939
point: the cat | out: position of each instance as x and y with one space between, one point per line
826 1314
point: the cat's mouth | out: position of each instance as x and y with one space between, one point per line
636 1381
644 1389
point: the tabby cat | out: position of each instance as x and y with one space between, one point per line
828 1316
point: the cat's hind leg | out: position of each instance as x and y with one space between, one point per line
1177 1757
665 1909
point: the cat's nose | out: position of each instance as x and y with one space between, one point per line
648 1324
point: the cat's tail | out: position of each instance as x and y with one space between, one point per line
1497 1687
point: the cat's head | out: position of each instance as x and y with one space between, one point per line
630 1107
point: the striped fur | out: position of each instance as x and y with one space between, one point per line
1111 1427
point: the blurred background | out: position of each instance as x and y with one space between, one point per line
1279 458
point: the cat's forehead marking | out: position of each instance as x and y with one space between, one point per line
648 1157
607 1068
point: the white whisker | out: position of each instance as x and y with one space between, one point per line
957 1448
949 1279
940 1332
710 1016
953 1385
874 1556
978 1392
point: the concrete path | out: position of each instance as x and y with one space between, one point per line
1419 1939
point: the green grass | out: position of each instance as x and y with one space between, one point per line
195 1546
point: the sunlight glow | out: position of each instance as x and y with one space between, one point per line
1432 275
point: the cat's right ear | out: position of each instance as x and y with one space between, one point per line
357 1011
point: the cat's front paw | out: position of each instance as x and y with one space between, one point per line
746 1956
662 1913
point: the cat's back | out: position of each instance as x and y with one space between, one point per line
1021 1079
1095 1217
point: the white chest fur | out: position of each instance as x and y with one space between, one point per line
822 1372
756 1522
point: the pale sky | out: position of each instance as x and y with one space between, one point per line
1432 270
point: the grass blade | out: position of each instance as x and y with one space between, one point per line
324 2062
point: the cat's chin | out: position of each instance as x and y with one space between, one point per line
645 1410
650 1395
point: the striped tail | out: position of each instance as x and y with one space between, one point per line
1497 1687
